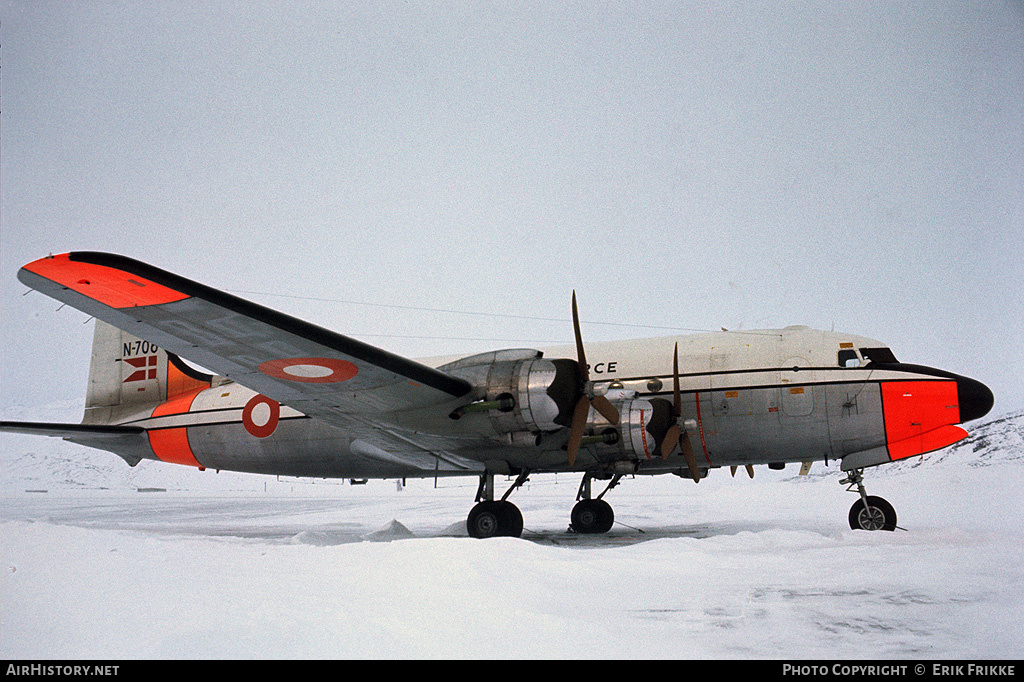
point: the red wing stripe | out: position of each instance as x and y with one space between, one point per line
700 428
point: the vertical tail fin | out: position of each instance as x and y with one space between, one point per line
127 372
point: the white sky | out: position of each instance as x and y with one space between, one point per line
856 165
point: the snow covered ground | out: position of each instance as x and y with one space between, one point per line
232 566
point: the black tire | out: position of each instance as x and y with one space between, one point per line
592 516
511 520
484 520
878 515
494 519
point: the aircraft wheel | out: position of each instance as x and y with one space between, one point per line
512 520
495 519
877 515
592 516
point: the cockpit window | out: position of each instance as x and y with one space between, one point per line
881 355
848 358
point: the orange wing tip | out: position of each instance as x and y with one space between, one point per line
110 286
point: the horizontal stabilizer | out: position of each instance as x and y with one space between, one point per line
76 431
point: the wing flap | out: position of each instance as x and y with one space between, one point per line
316 371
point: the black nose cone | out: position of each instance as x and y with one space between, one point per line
974 397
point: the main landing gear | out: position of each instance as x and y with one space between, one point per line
490 518
500 518
592 515
869 512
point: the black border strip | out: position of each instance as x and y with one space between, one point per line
891 367
188 370
231 422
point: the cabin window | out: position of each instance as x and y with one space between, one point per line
848 358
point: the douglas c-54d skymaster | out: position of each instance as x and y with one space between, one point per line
290 398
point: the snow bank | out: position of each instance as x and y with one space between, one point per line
730 568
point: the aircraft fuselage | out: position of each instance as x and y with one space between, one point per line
760 397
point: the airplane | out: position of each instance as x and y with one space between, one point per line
285 397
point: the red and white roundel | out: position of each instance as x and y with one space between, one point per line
310 370
260 415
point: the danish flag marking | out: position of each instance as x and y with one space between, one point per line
146 368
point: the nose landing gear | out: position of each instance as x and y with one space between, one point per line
869 512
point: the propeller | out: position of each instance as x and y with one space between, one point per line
750 470
588 398
677 435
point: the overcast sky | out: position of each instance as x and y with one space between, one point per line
682 165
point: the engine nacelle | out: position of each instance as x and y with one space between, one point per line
643 424
642 427
521 395
543 392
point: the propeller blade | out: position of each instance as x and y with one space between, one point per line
750 471
732 470
675 433
671 440
580 355
598 402
605 407
579 424
691 459
677 396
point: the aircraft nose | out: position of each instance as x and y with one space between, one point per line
975 398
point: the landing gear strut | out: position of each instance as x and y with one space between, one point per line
490 518
500 518
592 515
869 512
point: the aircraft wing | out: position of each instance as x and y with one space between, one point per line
318 372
